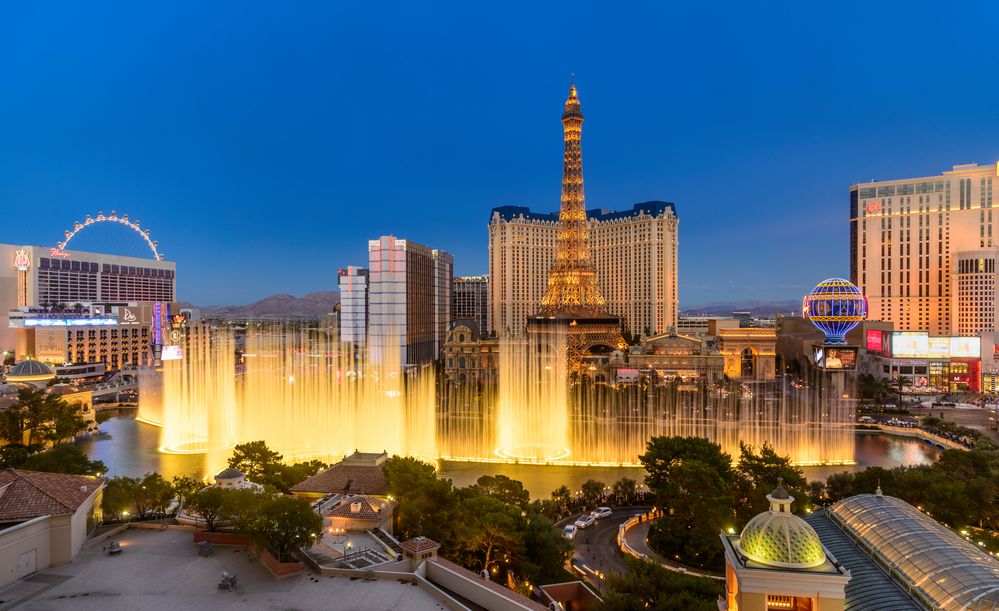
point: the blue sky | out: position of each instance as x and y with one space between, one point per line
264 144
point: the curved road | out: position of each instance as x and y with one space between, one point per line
595 551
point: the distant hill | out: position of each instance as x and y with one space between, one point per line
281 305
755 307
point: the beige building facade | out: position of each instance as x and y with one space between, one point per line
634 251
904 235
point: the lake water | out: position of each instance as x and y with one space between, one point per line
129 447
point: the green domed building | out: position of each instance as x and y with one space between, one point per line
778 562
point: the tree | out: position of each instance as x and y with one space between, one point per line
264 466
546 549
212 505
501 487
283 524
152 495
562 495
243 507
118 496
185 487
593 491
13 456
427 506
42 416
64 458
647 585
692 480
494 528
256 460
757 476
625 489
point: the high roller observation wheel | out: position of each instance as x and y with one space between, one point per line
112 218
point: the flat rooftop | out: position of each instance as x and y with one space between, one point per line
161 571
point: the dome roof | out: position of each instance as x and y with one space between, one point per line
230 473
30 369
779 538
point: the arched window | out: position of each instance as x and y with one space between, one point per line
747 363
461 337
461 362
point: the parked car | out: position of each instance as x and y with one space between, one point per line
569 532
601 512
585 521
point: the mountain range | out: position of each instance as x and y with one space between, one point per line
314 305
281 305
756 307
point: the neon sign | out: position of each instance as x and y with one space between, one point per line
22 260
58 252
70 322
873 208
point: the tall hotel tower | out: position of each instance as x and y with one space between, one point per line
630 261
409 295
923 250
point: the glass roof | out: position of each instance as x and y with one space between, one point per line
940 567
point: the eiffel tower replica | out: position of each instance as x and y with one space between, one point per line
573 310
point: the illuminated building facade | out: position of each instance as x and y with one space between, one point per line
749 353
409 299
41 276
117 335
634 252
904 235
573 307
973 285
469 357
470 301
353 284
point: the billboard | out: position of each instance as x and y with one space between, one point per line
907 344
939 347
829 357
965 347
873 340
172 353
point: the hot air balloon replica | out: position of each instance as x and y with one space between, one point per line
835 306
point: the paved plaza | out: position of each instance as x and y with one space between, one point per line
162 571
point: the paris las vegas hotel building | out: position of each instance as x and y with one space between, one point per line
634 251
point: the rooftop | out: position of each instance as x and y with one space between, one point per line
30 369
360 507
869 588
359 473
161 571
29 494
938 565
419 545
652 208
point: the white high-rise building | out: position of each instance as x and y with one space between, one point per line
904 236
409 299
634 251
353 284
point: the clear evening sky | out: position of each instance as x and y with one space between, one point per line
265 144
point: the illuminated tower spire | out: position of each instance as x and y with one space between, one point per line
572 284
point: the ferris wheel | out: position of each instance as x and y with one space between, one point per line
90 221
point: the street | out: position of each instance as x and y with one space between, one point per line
595 552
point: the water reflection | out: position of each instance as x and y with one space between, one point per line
129 447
